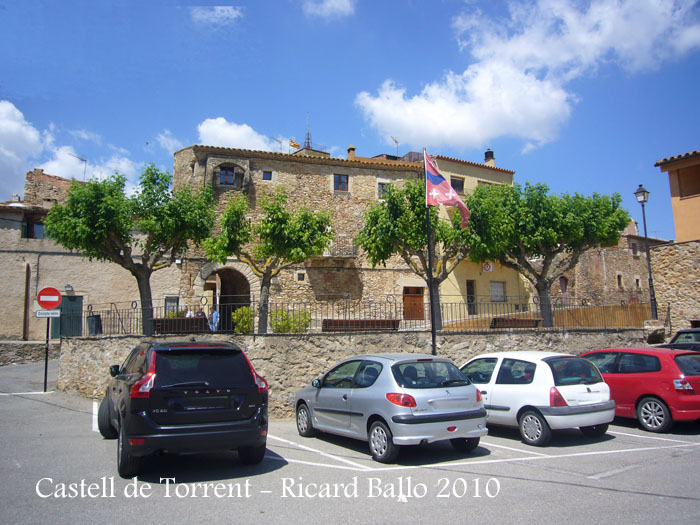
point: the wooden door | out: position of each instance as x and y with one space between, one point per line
413 308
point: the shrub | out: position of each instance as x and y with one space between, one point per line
243 320
282 322
172 314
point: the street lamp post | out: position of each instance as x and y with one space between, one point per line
642 196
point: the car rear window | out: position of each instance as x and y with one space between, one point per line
689 364
428 374
686 337
573 371
216 368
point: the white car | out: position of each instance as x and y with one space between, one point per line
541 391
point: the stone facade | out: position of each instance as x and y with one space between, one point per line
288 363
343 272
44 190
676 271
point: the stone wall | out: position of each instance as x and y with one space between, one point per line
42 189
676 271
18 352
290 362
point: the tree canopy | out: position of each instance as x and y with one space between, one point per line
280 239
142 233
538 234
397 226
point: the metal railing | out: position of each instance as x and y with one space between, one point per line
383 313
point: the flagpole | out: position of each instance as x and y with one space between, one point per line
430 260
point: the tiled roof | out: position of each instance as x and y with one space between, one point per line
683 156
360 163
475 164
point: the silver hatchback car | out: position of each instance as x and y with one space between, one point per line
391 400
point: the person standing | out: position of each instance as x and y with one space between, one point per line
214 320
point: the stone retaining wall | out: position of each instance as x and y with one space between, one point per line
290 362
17 352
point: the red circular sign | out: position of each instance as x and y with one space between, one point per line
49 298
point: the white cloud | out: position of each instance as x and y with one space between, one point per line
19 142
219 132
168 142
65 163
329 8
86 135
218 15
517 85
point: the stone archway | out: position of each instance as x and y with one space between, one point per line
231 287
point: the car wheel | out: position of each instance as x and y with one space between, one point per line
381 443
304 425
653 414
128 466
595 430
252 455
103 421
534 429
465 444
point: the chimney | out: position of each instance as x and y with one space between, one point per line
15 197
351 152
489 159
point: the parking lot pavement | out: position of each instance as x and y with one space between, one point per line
54 465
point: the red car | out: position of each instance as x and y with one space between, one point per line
655 385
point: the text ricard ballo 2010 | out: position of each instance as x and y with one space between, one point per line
371 487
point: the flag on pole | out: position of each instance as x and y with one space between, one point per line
293 144
438 191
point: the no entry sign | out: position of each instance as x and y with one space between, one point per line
49 298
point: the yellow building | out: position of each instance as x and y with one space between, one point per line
684 179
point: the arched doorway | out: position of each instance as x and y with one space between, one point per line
233 293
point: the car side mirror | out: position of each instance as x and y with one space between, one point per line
316 383
114 370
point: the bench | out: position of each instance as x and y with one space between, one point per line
359 325
180 325
515 322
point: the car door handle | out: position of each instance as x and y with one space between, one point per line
484 392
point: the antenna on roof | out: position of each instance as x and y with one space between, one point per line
82 160
278 141
396 141
307 140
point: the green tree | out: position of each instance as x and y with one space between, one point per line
141 233
397 226
280 239
538 234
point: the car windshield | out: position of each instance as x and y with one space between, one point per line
686 337
573 371
428 374
689 364
206 367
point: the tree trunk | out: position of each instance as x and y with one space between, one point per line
143 279
545 304
264 301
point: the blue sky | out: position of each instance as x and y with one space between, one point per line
581 95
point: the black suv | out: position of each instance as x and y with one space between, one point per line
184 397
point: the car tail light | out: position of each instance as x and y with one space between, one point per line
142 387
478 395
259 380
683 385
137 441
556 399
403 400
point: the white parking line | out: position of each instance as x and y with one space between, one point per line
25 393
94 417
324 454
514 449
648 437
613 472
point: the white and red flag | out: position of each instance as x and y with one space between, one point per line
438 191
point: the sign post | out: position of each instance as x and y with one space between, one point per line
48 299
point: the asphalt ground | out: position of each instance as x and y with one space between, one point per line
55 467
